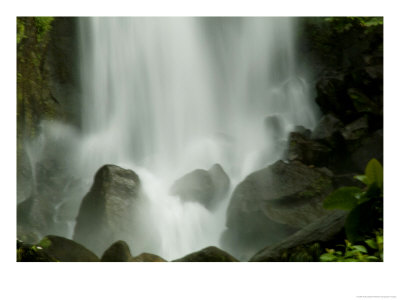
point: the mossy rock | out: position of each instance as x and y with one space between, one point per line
117 252
209 254
147 257
32 253
66 250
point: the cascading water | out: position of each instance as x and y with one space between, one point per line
165 96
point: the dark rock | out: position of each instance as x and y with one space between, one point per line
356 129
362 103
290 194
331 91
209 254
341 180
328 131
303 131
205 187
366 149
107 212
273 203
308 151
324 230
117 252
147 257
66 250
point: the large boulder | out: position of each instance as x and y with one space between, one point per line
205 187
209 254
308 243
107 212
273 203
117 252
147 257
66 250
287 193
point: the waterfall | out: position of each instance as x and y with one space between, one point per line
165 96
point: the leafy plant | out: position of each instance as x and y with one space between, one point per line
342 24
365 205
371 252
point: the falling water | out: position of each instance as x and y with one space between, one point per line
165 96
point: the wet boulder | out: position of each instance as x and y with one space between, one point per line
209 254
66 250
205 187
147 257
117 252
286 193
308 243
108 211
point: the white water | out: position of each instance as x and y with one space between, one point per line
165 96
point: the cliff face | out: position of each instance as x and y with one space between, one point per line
47 85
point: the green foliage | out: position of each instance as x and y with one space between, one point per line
374 174
372 251
45 243
43 25
365 205
20 30
342 24
345 198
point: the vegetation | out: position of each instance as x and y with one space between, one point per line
365 220
34 101
371 251
341 24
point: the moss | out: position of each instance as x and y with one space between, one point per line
43 26
303 253
316 188
45 243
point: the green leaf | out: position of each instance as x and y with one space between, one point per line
360 248
343 198
362 178
372 258
327 257
371 243
374 173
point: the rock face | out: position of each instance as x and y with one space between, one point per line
107 212
274 202
209 254
66 250
206 187
327 229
